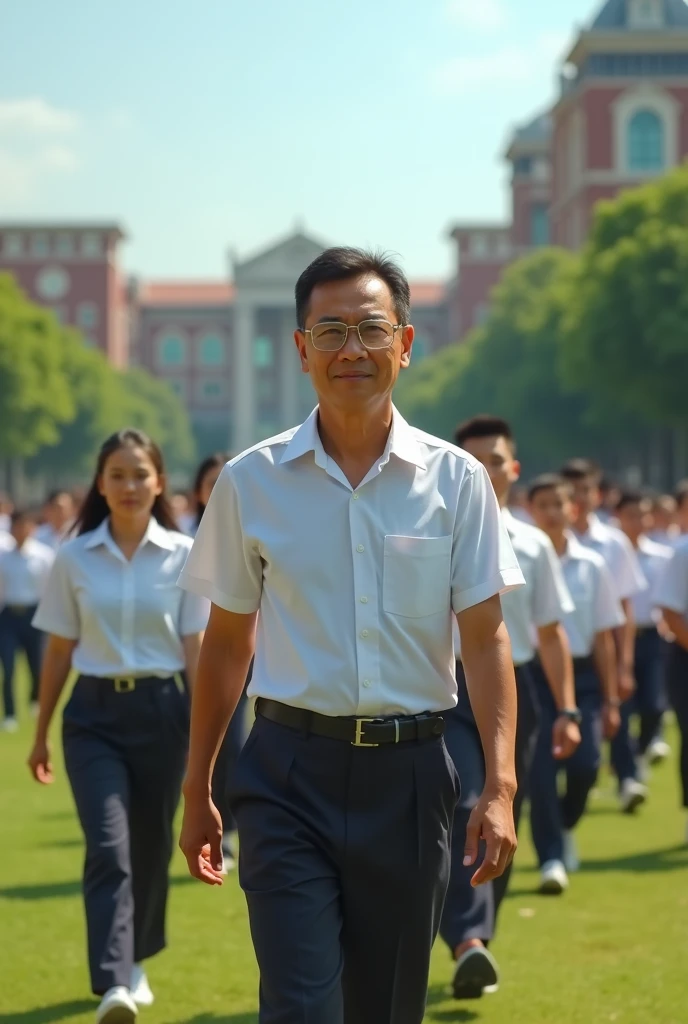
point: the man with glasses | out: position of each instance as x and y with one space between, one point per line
357 538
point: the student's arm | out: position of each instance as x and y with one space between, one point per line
624 646
605 662
223 664
678 624
57 664
486 656
555 656
192 649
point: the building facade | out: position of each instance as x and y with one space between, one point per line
620 119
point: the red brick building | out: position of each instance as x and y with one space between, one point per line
621 118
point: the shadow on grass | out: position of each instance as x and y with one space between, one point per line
63 844
60 890
48 1014
670 858
458 1013
212 1018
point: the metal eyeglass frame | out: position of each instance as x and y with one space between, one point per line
354 327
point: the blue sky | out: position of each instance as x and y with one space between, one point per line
216 125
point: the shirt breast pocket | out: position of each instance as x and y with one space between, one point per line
416 576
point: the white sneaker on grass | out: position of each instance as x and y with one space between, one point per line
141 991
553 878
633 794
10 724
658 751
116 1007
571 858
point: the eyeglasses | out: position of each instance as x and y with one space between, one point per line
373 335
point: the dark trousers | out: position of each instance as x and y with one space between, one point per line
17 634
550 814
226 763
648 702
125 755
470 913
677 681
344 860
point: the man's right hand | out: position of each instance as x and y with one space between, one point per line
492 819
201 838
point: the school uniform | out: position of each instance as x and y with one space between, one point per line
344 792
671 591
23 574
125 729
597 608
470 912
649 700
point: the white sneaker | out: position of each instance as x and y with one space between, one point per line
117 1007
633 794
553 878
571 858
10 724
658 751
141 991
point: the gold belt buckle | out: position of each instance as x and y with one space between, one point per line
358 740
124 684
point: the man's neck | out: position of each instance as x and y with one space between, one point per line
582 523
355 441
559 541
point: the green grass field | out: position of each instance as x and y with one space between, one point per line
613 949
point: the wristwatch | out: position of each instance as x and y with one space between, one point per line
573 715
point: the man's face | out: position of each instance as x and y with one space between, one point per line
60 511
497 456
353 378
552 509
635 518
586 494
21 530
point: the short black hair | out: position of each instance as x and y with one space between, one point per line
632 496
21 515
52 496
580 469
547 482
342 262
681 492
484 425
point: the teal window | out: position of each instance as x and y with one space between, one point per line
539 225
213 390
212 350
263 352
420 347
645 141
172 349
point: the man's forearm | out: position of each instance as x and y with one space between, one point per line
678 626
605 663
555 656
624 638
492 690
220 679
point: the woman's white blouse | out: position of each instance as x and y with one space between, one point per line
127 616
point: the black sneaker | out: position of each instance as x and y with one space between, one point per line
476 971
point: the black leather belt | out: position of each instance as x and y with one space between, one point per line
360 732
126 684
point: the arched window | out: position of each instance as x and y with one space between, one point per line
172 349
645 141
212 350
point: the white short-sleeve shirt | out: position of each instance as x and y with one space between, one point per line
128 617
24 572
653 558
671 588
617 551
355 587
596 603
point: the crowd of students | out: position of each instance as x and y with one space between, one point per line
599 638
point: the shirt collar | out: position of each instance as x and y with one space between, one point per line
574 548
596 528
155 534
401 442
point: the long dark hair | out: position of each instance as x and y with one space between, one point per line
216 461
94 509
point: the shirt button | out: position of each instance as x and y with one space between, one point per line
355 495
360 548
366 683
364 600
364 633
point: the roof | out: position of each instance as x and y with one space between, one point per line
614 15
537 130
186 293
427 293
108 227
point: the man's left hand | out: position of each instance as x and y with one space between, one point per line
492 819
566 738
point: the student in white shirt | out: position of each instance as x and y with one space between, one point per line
113 613
649 702
671 596
589 628
664 528
344 549
24 569
59 511
532 613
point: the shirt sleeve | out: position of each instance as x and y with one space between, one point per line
58 611
608 611
627 575
483 560
193 614
224 565
671 589
551 598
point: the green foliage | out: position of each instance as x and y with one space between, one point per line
151 405
627 332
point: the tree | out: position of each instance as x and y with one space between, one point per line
153 406
35 396
627 331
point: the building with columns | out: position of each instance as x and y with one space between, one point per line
620 118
